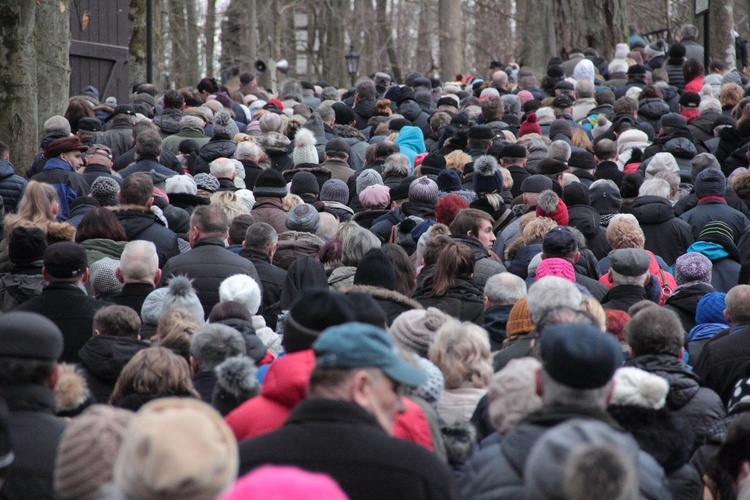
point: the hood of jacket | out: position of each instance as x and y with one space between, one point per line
348 132
383 294
411 138
410 110
288 377
106 355
255 348
681 147
302 237
214 149
135 219
6 170
652 109
315 125
274 142
585 219
683 383
365 108
705 331
713 251
652 210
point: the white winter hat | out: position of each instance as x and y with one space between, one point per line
241 288
636 387
661 162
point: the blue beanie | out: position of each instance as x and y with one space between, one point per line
711 308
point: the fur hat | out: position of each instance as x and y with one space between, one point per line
375 197
224 125
693 267
512 393
636 387
710 182
368 177
64 145
487 176
423 190
550 205
236 382
270 183
415 330
241 288
176 448
304 148
335 190
87 451
105 191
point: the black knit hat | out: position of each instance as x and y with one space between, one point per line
401 190
304 183
314 310
375 270
433 164
710 182
576 193
26 245
270 183
344 114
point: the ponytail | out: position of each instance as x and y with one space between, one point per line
454 260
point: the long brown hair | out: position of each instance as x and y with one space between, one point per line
453 261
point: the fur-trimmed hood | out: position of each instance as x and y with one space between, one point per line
348 132
384 294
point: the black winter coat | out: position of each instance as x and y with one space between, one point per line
724 360
71 310
711 210
666 235
140 224
586 220
495 321
271 280
392 302
217 147
11 186
463 300
102 358
208 263
684 301
35 432
621 297
166 158
698 407
342 440
147 165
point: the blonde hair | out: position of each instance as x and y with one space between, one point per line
457 159
592 306
36 207
229 203
625 232
536 229
290 201
462 352
581 140
155 371
345 230
507 179
175 329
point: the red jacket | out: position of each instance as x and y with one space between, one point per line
285 385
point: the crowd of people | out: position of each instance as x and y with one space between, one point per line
482 289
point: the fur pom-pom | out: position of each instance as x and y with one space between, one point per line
636 387
236 376
222 118
304 138
485 165
548 201
180 286
71 389
531 118
383 107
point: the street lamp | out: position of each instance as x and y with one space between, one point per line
352 62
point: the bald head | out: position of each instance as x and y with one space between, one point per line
222 168
737 305
500 80
139 263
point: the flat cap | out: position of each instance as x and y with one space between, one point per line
536 184
630 261
550 166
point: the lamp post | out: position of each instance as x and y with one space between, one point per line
352 62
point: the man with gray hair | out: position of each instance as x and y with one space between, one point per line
575 381
223 169
395 169
210 346
259 248
702 126
585 101
118 137
364 102
56 127
147 152
689 38
248 153
628 274
138 272
559 150
501 292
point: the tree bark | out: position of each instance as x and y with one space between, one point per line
18 83
721 19
52 33
209 34
451 38
192 41
137 45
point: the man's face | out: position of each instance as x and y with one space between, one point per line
73 158
384 399
485 234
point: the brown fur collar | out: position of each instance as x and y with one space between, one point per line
135 208
384 294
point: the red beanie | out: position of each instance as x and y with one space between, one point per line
529 126
552 206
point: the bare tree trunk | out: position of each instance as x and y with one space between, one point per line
451 38
383 31
209 34
137 45
18 83
425 64
233 39
52 30
536 34
721 18
192 43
